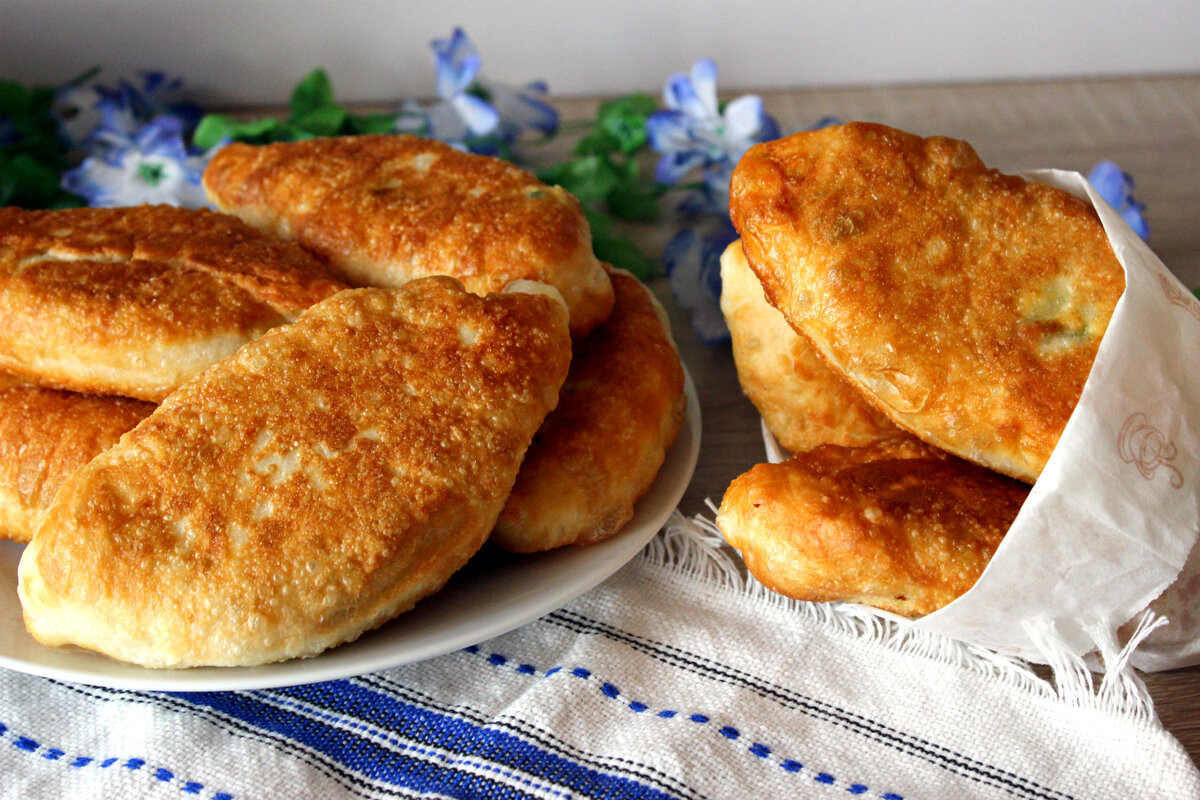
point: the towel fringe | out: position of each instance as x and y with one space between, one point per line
695 547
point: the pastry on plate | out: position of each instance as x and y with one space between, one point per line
389 208
312 486
620 409
966 304
803 401
897 524
134 301
45 435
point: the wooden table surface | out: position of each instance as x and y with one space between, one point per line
1150 126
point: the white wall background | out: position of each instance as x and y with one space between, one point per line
253 51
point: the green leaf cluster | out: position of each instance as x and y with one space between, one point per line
605 174
32 157
312 111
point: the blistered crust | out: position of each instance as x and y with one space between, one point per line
897 524
45 435
312 486
386 209
803 401
134 301
966 304
599 451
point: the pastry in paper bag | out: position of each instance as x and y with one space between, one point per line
1110 522
1109 529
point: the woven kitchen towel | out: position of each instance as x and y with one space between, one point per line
675 678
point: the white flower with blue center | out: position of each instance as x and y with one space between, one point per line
695 132
154 166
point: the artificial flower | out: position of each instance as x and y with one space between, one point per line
92 116
695 257
692 261
154 166
522 109
458 114
695 132
1116 187
471 113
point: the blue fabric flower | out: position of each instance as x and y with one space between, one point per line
472 114
460 113
93 116
692 261
522 108
694 132
152 166
1116 187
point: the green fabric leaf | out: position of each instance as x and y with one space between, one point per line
630 201
600 224
313 93
214 128
326 121
590 178
14 99
27 183
623 120
597 142
372 123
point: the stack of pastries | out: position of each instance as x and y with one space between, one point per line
916 329
240 436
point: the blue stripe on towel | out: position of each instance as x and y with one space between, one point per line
353 750
454 733
639 771
401 744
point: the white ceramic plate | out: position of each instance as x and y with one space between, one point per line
495 593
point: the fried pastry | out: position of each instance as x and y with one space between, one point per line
803 401
310 487
45 435
966 304
134 301
620 409
897 524
386 209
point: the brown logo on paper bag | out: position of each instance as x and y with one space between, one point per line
1179 297
1145 446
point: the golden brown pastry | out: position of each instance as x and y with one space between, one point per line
134 301
312 486
598 452
966 304
803 401
45 435
386 209
897 524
